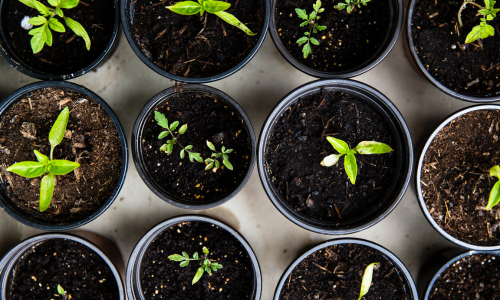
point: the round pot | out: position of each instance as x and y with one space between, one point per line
12 59
133 279
403 271
465 96
137 152
10 259
403 150
421 200
22 217
127 14
388 43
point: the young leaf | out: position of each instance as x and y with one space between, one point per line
184 263
224 156
30 3
44 10
46 191
189 147
367 280
232 20
198 275
39 20
195 255
185 255
494 196
341 6
164 147
495 171
174 125
228 151
481 31
331 160
306 50
161 119
78 30
62 167
182 154
185 8
215 6
40 157
227 164
314 41
301 13
320 28
163 134
371 147
209 165
339 145
205 250
351 167
28 169
302 40
59 12
170 148
56 25
49 35
69 3
195 156
54 2
217 164
304 23
183 129
211 146
39 38
215 266
57 131
60 290
176 257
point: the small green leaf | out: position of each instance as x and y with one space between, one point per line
495 171
185 8
78 30
339 145
301 13
69 3
224 156
306 50
314 41
60 290
215 266
54 2
170 148
46 191
302 40
174 125
195 156
59 12
58 130
494 196
189 147
215 6
209 165
182 154
176 257
312 16
351 167
44 10
331 160
62 167
39 20
30 3
49 35
56 25
304 23
161 119
321 28
39 38
367 280
164 147
198 275
195 255
205 250
228 151
211 146
372 147
163 134
185 255
227 164
184 263
183 129
207 269
217 164
232 20
28 169
341 6
40 157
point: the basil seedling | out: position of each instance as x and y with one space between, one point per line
483 30
310 20
351 5
32 169
211 162
207 265
367 280
47 20
350 165
214 7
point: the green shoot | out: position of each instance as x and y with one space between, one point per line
214 7
367 280
32 169
350 165
483 30
495 191
169 146
47 20
206 265
310 20
351 5
62 292
214 162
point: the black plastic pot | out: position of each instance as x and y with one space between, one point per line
418 185
11 258
127 15
403 150
22 217
390 40
12 59
139 159
465 96
133 279
403 271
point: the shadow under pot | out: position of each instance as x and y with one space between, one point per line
194 147
338 43
296 141
93 138
437 43
187 47
453 180
170 262
335 269
467 275
59 266
67 52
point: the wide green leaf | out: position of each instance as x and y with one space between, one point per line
60 290
351 167
314 41
302 40
480 32
195 156
184 263
39 38
62 167
161 119
174 125
55 25
495 171
29 169
41 157
46 191
59 12
39 20
44 10
301 13
78 30
185 8
176 257
163 134
58 130
198 275
69 3
232 20
54 2
227 164
331 160
367 280
494 196
215 6
371 147
339 145
30 3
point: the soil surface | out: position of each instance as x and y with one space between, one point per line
91 139
298 144
162 278
472 277
455 177
207 118
336 272
68 53
440 45
349 40
81 272
194 46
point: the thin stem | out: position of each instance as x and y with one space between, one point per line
463 7
51 153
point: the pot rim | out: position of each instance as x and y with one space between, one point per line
134 264
22 217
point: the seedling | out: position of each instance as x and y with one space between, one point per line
214 7
367 280
350 5
207 265
310 20
169 146
47 20
483 30
495 191
32 169
211 162
350 165
62 292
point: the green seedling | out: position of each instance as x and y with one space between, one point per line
206 265
214 7
483 30
350 165
495 191
32 169
313 27
214 162
367 280
169 146
62 292
47 20
350 5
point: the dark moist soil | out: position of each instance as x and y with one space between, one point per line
68 53
81 272
438 46
207 118
336 272
162 278
298 144
455 177
91 139
181 45
349 40
475 276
